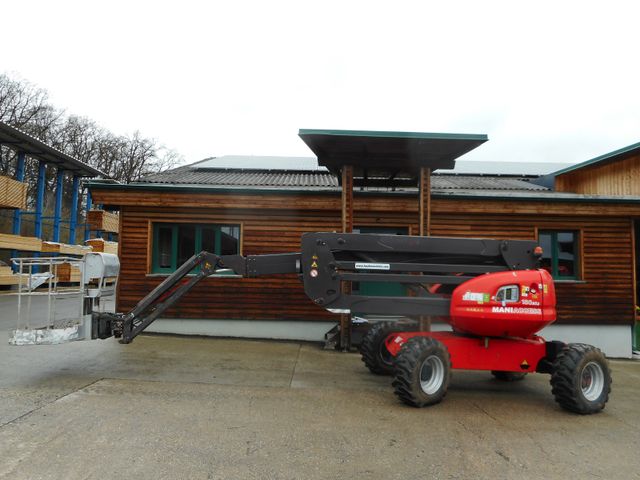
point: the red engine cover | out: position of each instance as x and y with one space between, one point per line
504 304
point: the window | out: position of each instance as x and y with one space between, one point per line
560 253
508 294
174 244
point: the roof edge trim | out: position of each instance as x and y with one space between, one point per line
390 134
452 196
611 156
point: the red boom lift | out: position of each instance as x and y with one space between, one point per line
491 292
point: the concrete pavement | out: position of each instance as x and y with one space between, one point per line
179 407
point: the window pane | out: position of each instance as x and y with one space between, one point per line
508 294
545 242
209 239
230 240
164 247
186 243
566 254
174 244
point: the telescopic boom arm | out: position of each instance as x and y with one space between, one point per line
328 261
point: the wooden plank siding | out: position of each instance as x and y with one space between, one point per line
270 224
604 294
276 297
620 177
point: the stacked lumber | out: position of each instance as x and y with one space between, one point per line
13 194
7 277
50 247
105 221
18 242
65 249
13 279
104 246
66 272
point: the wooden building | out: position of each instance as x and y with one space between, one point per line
237 205
613 174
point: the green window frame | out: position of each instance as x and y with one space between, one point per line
174 243
561 253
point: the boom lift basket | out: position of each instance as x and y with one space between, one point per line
56 295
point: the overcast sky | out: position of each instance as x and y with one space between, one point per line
546 81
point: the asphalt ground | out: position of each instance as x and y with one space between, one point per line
203 408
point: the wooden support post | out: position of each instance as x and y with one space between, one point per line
347 227
424 207
424 210
347 199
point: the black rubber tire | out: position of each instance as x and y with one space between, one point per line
572 373
372 348
508 376
409 369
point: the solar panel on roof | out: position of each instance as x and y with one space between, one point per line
257 162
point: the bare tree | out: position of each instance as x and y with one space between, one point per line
21 102
124 158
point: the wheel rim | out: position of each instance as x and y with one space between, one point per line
592 381
431 374
385 355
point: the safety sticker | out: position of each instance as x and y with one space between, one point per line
476 297
524 365
373 266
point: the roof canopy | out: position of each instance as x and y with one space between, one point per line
23 142
388 155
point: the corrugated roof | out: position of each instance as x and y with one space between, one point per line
321 180
23 142
502 195
244 178
485 182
